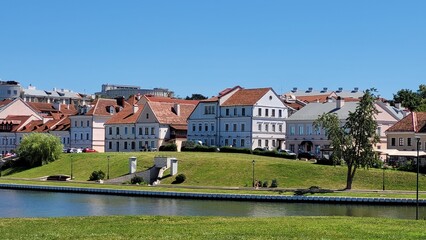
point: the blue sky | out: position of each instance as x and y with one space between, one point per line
206 46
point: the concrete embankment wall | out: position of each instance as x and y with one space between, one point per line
216 196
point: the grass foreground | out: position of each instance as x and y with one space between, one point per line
159 227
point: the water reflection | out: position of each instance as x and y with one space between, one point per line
20 203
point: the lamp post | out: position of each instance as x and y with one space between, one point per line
417 181
71 166
108 167
253 173
383 177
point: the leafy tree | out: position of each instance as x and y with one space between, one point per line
408 99
37 149
196 96
353 142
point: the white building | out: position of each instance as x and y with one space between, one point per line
243 118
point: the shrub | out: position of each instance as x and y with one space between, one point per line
265 184
168 147
136 180
236 150
180 178
97 175
199 148
274 183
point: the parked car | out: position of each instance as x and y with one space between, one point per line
74 150
306 155
260 149
286 151
89 150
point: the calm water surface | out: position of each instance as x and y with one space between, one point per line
25 203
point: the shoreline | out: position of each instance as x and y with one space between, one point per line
218 196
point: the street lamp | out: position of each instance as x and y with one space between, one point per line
71 166
108 167
383 167
253 172
417 186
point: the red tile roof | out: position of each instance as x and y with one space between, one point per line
150 98
126 116
15 121
4 102
166 113
246 97
100 107
408 123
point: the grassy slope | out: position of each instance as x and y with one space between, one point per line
155 227
234 170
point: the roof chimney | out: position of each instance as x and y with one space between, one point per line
340 102
176 107
135 108
309 90
294 89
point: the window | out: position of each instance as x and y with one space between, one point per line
243 126
273 113
133 130
280 128
259 127
206 127
81 123
401 141
152 131
280 113
308 130
227 112
88 123
379 132
211 142
242 142
133 145
117 131
292 147
273 143
140 131
200 127
125 145
87 136
234 128
266 143
81 136
146 131
226 127
209 110
15 92
259 112
226 142
193 127
243 111
259 143
125 130
408 141
273 127
235 111
266 112
393 142
266 127
110 130
300 130
109 145
234 142
9 92
292 130
147 115
212 127
75 124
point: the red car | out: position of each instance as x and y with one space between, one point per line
89 150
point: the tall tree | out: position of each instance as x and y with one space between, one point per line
37 149
353 141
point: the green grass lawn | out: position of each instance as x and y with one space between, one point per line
227 170
159 227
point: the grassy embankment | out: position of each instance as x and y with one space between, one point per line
155 227
227 170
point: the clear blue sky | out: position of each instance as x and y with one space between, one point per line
206 46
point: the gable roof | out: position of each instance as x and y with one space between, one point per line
313 110
166 112
100 107
151 98
246 97
126 116
414 122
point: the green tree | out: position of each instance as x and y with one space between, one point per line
37 149
408 98
353 141
196 96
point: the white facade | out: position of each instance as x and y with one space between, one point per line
260 124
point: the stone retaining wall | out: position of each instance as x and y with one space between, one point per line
218 196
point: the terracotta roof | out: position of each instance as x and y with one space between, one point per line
228 90
4 102
295 105
15 121
42 107
34 126
246 97
408 123
179 126
314 98
212 99
166 113
126 116
63 124
169 100
100 107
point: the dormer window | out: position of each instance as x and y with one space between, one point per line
147 115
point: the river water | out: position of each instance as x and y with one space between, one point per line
26 203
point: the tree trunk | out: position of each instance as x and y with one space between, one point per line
350 177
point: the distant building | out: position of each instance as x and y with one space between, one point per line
9 90
113 91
